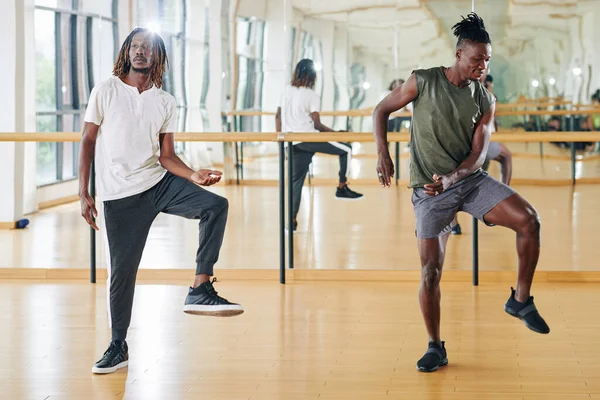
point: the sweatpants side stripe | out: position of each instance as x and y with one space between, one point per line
108 265
348 150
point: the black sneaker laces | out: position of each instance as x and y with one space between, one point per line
212 292
112 351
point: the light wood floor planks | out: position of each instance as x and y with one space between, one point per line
300 341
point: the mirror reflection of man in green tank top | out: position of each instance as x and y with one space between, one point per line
450 133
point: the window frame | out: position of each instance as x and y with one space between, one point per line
71 70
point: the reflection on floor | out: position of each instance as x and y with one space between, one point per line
376 233
312 340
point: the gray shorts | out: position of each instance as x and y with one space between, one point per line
493 151
476 195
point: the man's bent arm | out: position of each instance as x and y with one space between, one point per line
316 117
479 147
169 159
86 155
397 99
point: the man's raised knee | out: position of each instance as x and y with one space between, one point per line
430 276
530 224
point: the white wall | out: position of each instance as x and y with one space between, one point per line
215 90
17 160
256 8
324 31
197 153
375 73
275 53
28 101
341 61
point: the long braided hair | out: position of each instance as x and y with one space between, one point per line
159 51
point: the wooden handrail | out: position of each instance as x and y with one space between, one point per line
227 137
500 136
543 105
179 137
499 112
548 113
249 113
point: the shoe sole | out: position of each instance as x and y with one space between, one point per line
512 313
442 363
110 370
348 199
212 311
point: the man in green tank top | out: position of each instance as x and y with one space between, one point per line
450 134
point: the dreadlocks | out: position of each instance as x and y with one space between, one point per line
305 74
158 67
471 29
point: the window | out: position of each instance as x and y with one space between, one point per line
72 54
45 66
250 54
184 27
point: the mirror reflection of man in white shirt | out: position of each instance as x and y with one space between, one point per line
298 111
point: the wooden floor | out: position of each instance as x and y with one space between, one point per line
374 234
300 341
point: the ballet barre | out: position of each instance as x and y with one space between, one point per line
568 110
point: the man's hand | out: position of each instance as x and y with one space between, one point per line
385 169
441 184
88 208
206 177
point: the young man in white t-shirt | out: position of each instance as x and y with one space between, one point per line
298 111
128 132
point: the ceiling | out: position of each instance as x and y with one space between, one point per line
418 22
535 36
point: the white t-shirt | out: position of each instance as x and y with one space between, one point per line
296 106
127 146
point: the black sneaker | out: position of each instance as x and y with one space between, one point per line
526 312
204 300
456 230
434 357
117 356
346 193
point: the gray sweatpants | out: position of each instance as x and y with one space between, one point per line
303 154
127 223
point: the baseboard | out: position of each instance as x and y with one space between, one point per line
8 225
58 202
176 276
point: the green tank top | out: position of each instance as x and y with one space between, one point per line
443 123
